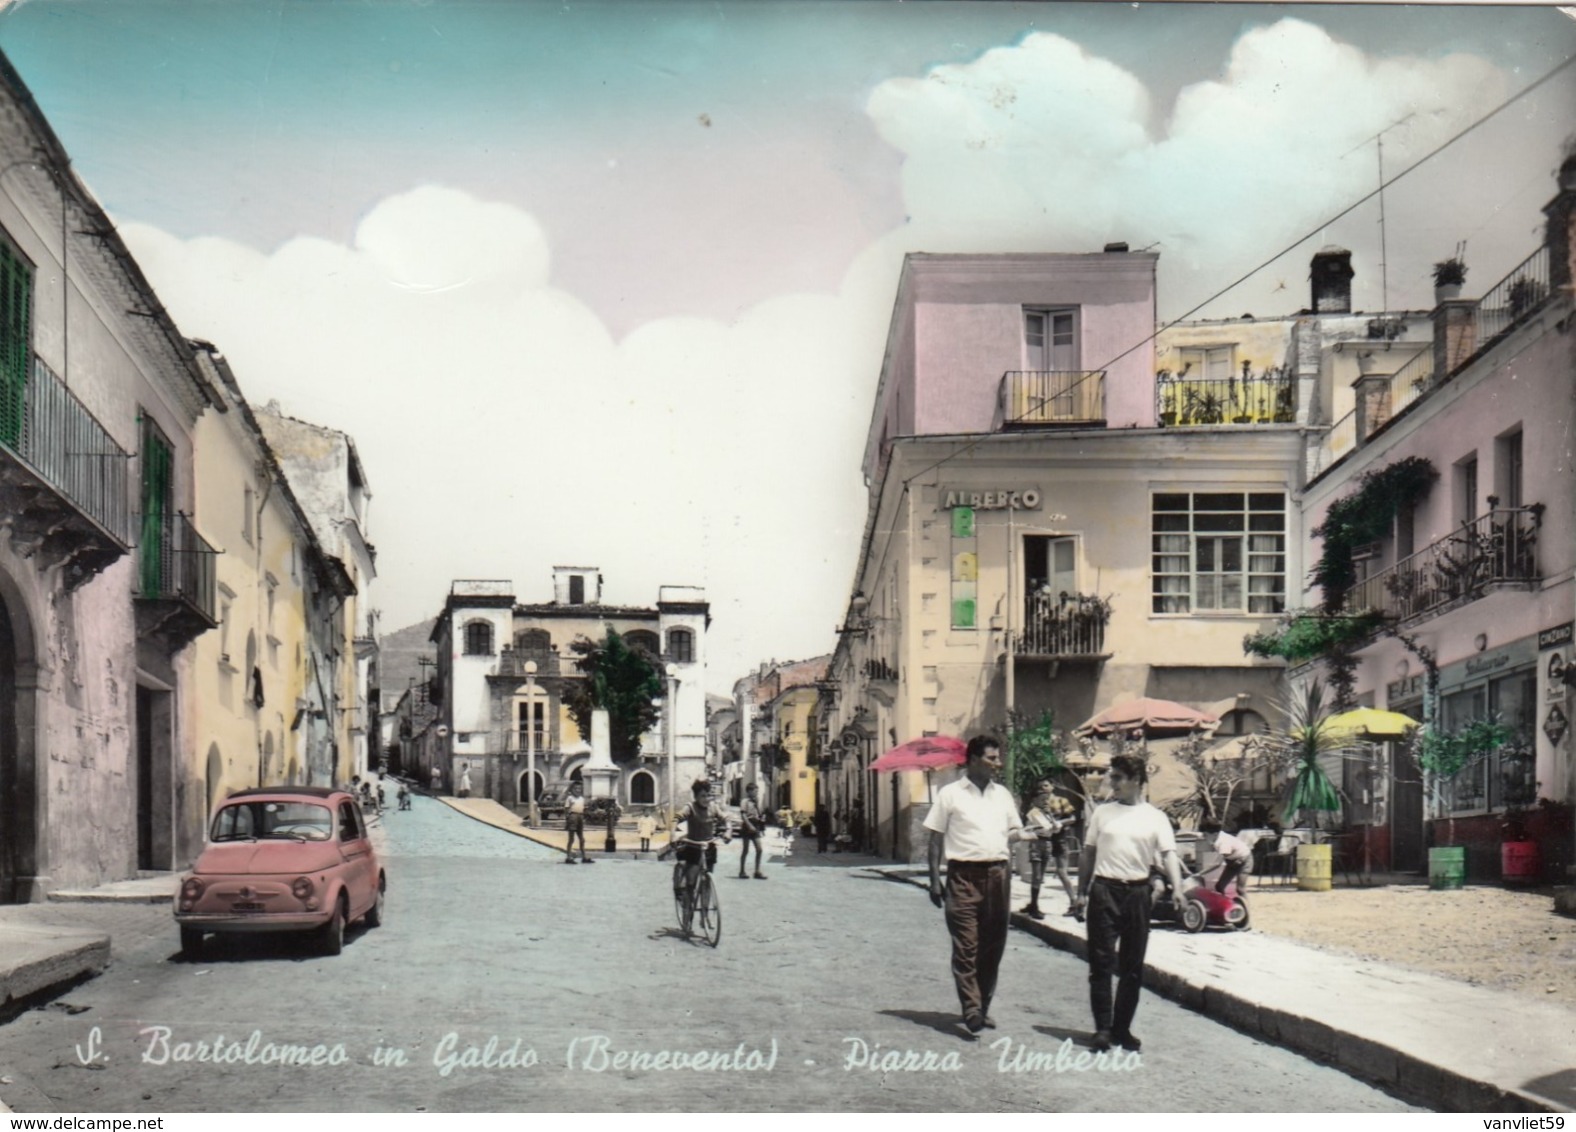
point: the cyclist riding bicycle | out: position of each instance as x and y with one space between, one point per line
696 828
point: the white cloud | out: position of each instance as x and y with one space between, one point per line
1041 147
505 429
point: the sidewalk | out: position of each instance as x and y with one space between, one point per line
1448 1044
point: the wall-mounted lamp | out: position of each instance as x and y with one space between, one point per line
1480 642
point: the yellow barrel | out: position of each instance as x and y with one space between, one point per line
1447 867
1313 868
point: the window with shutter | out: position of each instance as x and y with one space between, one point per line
16 307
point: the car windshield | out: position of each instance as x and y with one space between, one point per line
286 821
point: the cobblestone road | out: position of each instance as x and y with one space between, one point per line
494 952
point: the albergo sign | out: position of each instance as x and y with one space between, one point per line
996 499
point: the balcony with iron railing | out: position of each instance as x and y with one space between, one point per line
1052 398
1063 626
520 743
1183 401
176 591
63 479
1495 550
1511 300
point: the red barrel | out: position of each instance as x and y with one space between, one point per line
1520 862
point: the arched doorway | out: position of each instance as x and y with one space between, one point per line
20 818
538 785
642 788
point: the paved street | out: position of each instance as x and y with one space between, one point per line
495 953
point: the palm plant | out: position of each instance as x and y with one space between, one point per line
1308 737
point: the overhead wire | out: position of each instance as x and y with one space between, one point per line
1446 144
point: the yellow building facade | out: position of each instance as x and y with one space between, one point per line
252 675
794 721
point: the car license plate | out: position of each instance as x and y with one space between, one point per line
247 906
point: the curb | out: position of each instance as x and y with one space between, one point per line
1406 1075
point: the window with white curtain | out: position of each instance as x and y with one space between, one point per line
1218 552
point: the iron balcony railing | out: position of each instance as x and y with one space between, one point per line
178 566
523 742
1246 398
1514 297
1412 380
1052 397
1499 547
53 432
1063 625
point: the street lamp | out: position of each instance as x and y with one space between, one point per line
673 733
530 742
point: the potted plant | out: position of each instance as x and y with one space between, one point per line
1444 756
1449 275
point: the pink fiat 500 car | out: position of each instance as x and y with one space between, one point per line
283 859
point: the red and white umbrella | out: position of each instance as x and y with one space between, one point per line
1147 717
928 753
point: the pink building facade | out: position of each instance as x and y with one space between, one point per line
1476 581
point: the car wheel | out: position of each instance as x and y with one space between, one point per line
1237 915
191 942
1193 915
332 939
375 913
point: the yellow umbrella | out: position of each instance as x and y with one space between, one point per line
1370 723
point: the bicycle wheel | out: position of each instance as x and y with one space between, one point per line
710 911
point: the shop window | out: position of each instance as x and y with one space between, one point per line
1504 776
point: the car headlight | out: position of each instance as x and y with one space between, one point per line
191 889
302 888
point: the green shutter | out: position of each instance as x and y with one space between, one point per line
155 507
16 287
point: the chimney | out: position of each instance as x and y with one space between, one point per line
1561 216
1455 335
1331 271
1118 246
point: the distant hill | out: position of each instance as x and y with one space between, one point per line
398 653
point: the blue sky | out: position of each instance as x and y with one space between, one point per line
619 272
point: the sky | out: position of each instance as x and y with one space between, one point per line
608 284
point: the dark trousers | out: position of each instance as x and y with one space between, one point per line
1118 937
977 913
1229 872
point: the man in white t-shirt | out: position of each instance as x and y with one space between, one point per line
971 823
1126 837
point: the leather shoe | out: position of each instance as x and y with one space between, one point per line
974 1022
1128 1042
990 1023
1101 1042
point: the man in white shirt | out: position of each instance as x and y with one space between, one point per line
1125 839
971 823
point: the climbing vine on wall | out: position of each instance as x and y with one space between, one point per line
1363 517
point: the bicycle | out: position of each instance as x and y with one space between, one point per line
694 893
